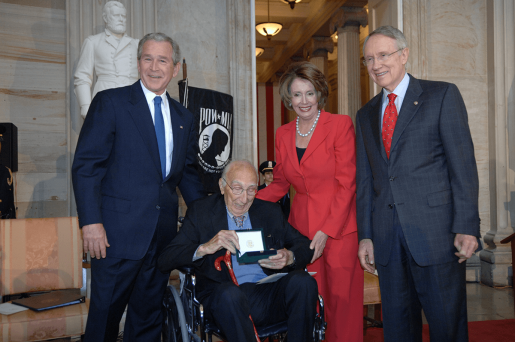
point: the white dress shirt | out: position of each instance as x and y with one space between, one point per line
165 109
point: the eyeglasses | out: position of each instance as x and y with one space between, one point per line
382 58
238 190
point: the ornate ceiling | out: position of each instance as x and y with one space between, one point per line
309 18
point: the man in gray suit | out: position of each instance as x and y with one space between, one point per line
417 195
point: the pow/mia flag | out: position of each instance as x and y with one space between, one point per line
213 112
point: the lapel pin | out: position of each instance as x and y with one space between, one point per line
181 127
415 103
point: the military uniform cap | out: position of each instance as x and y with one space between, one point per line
266 166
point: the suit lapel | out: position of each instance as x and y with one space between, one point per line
123 43
142 117
320 133
111 40
256 220
375 124
408 110
289 142
178 132
219 216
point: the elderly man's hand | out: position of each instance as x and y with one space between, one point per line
95 240
366 255
282 259
227 239
466 246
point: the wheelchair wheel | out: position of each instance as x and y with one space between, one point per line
174 324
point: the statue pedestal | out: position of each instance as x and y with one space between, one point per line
473 273
496 266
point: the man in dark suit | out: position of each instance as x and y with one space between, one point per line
209 230
417 195
125 173
266 168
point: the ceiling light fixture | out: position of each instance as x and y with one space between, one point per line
269 29
291 2
259 51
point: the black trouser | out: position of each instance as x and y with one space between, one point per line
292 298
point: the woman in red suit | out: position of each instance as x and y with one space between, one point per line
316 154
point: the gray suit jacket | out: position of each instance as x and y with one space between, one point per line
430 179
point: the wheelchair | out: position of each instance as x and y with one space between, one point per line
184 317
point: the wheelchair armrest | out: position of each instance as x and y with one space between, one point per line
187 270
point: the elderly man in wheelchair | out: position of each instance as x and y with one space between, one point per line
209 233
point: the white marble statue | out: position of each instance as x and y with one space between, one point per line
111 55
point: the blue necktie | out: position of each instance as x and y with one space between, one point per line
239 221
159 125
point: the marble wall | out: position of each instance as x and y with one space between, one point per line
33 97
456 52
448 42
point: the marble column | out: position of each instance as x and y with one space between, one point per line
346 22
415 29
240 68
496 268
316 50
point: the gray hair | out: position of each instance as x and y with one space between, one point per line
389 31
161 37
107 8
233 163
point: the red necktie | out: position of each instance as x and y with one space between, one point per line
389 121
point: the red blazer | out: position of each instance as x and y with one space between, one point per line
325 180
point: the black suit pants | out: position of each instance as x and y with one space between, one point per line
293 298
118 282
407 289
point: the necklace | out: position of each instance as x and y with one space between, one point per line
312 127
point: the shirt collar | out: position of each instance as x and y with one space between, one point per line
400 90
245 216
151 95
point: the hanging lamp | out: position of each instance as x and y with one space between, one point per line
259 51
269 29
291 2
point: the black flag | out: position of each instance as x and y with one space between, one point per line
213 112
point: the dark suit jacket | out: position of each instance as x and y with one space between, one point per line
117 175
430 179
206 217
284 202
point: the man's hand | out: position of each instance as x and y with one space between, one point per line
95 240
366 255
466 246
227 239
318 243
282 259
